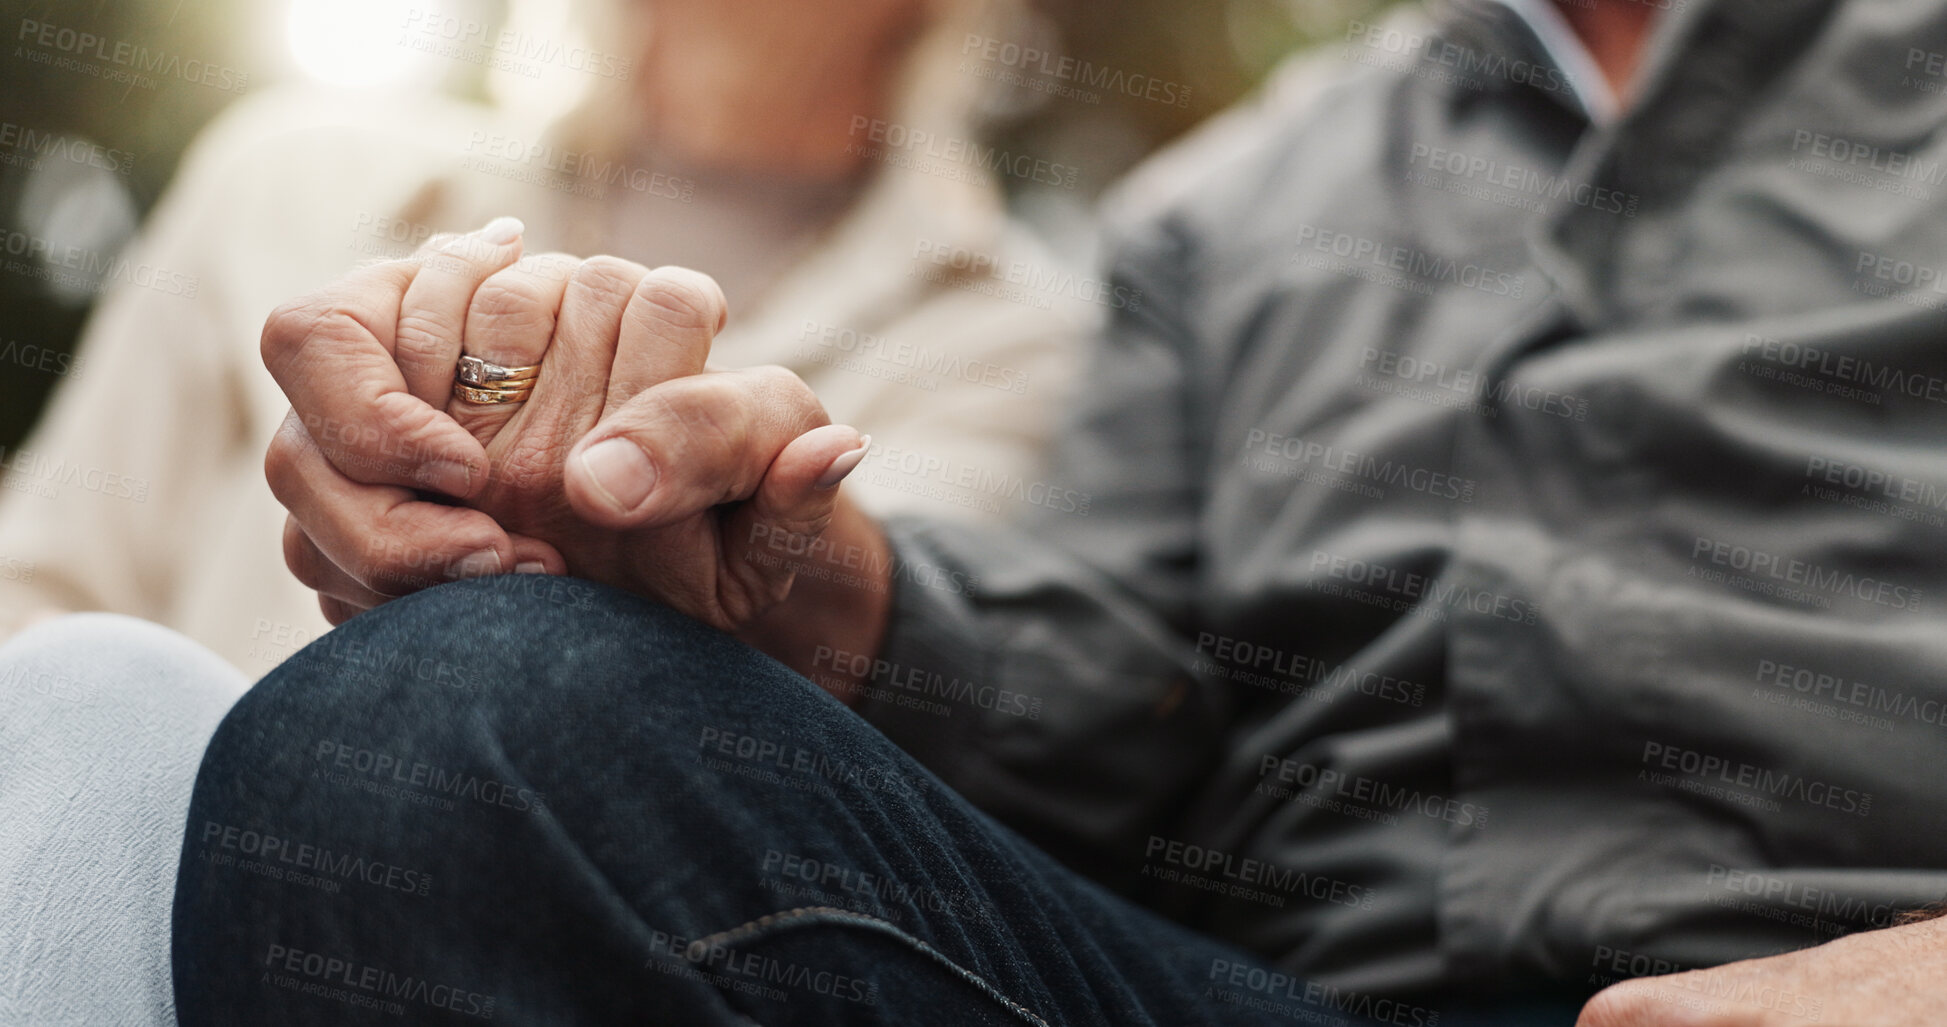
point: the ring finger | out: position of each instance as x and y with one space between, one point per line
433 313
509 322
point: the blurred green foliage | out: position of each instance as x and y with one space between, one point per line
153 124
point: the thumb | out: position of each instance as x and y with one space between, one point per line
776 534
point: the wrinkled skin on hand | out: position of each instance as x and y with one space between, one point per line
1895 977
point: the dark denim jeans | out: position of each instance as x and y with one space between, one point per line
533 800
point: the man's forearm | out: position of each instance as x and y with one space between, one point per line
840 602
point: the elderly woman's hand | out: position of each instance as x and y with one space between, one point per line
628 463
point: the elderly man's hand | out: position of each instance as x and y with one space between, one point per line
630 462
1896 977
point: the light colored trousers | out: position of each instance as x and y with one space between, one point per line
103 720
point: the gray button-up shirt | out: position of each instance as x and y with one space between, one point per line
1491 550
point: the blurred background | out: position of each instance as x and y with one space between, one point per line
83 156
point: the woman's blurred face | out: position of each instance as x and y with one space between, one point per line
771 85
826 23
854 13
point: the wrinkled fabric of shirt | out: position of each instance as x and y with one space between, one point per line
1494 551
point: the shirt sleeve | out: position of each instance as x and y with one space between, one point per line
1041 666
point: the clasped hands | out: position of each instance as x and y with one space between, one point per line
635 464
631 462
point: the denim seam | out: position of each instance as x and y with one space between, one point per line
811 915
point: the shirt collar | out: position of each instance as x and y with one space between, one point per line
1571 58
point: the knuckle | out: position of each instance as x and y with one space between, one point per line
790 395
549 267
710 409
302 557
1604 1010
750 591
806 527
335 612
657 414
336 323
380 563
282 464
680 299
377 575
608 280
513 298
778 379
1626 1004
715 427
717 389
308 329
286 329
412 543
420 332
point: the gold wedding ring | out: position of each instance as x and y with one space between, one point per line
473 394
483 381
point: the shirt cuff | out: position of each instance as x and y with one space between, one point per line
934 641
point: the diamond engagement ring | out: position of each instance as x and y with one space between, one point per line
483 381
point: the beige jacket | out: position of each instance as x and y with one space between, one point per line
142 490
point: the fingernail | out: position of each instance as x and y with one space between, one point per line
620 471
530 567
478 565
502 230
844 464
450 477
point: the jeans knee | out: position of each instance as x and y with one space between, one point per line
518 663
